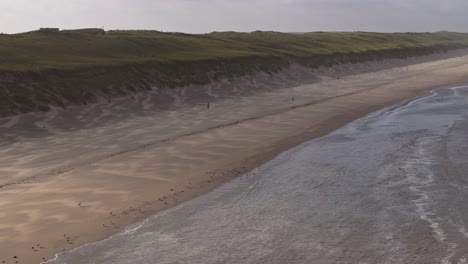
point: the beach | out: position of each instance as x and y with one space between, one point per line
387 188
64 190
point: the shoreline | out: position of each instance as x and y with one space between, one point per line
208 158
325 186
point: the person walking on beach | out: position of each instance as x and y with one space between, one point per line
208 106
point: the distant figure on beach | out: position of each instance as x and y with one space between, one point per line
208 106
292 99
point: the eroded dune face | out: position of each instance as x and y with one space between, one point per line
144 96
163 86
62 139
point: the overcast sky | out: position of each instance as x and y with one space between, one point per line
198 16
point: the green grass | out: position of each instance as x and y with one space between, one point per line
70 49
48 68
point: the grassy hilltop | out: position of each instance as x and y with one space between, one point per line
49 67
68 49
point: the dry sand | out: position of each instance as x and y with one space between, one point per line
159 162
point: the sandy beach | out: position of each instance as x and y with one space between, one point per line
67 189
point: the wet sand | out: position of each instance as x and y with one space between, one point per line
69 189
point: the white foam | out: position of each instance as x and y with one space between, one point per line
420 175
128 230
456 90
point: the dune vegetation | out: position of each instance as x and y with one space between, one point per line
51 67
66 49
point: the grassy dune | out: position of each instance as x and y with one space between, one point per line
70 49
47 68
